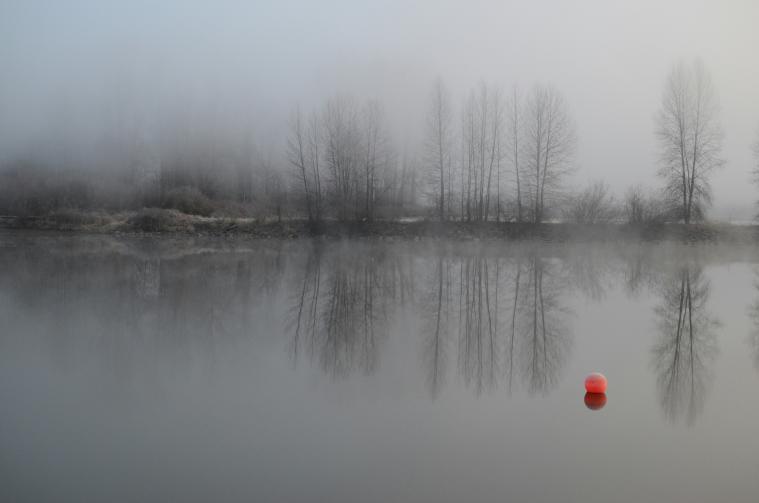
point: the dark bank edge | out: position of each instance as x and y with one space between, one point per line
173 222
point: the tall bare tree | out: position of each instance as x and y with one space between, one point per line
371 143
513 144
495 104
342 151
482 128
314 139
690 138
378 159
303 154
549 142
755 171
439 142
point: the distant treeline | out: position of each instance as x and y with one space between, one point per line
499 157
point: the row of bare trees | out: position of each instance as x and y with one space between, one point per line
512 157
516 152
344 160
504 157
499 158
490 156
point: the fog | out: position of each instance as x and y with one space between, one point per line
73 73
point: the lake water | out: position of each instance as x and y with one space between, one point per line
322 371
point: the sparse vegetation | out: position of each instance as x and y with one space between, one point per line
643 207
593 204
495 159
188 200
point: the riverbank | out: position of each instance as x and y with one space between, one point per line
154 221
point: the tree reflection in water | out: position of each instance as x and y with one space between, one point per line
508 320
343 304
478 341
753 314
437 310
686 345
502 315
494 318
543 329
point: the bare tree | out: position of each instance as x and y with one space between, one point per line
496 114
482 128
549 146
468 161
755 171
371 157
313 141
342 152
379 174
438 143
297 153
690 138
513 144
360 159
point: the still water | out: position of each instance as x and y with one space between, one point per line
184 370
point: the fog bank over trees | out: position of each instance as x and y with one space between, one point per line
359 113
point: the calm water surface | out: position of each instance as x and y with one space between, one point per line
175 370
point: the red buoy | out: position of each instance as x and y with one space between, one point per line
595 383
595 401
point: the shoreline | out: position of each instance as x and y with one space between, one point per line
169 222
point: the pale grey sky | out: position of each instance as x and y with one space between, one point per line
64 63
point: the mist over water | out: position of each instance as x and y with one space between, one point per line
159 369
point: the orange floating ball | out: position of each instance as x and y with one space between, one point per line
595 401
595 383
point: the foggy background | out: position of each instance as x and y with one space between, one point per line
69 70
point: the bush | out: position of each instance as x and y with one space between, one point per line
159 220
641 207
188 200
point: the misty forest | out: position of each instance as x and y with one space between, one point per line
493 154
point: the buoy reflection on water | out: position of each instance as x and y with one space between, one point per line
595 401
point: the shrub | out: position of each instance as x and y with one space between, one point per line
592 205
188 200
642 207
159 220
